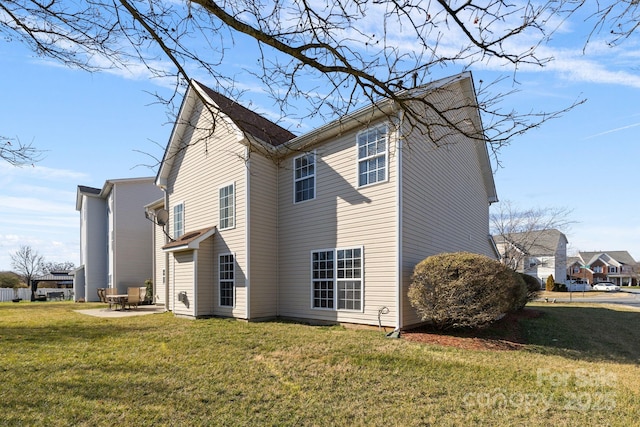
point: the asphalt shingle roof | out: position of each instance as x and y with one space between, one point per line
249 121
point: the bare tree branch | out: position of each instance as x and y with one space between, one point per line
322 58
13 151
516 231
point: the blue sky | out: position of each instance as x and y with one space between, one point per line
93 127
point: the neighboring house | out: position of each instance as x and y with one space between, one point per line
536 253
618 267
325 227
115 242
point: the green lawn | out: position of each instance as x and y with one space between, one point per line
59 367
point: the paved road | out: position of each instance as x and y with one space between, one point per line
629 297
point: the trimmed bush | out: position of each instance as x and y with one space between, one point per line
533 287
454 290
550 284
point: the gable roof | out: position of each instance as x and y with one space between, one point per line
106 188
190 240
247 123
247 120
535 243
622 257
254 126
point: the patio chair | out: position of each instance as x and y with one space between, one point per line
108 296
133 297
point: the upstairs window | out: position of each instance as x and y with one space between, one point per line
227 207
304 177
372 156
178 220
613 269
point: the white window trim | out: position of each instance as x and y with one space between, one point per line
315 176
233 201
173 220
335 279
233 298
386 153
311 278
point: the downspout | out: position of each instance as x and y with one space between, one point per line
247 240
167 271
195 283
399 232
277 163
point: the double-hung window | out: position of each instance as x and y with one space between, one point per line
227 207
226 279
178 220
304 177
372 155
337 279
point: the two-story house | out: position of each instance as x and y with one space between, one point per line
618 267
326 226
115 237
538 253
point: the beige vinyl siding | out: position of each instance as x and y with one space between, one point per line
160 285
206 285
445 205
206 164
341 216
263 237
183 281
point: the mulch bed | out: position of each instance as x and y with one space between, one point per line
505 334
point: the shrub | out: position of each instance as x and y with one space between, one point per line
519 292
550 284
560 287
533 287
10 280
463 290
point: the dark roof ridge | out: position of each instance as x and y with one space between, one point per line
86 189
249 121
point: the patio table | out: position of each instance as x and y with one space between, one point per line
117 300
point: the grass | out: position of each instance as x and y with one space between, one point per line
62 368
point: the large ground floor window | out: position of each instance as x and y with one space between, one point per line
336 278
226 280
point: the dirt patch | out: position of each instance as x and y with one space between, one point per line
505 334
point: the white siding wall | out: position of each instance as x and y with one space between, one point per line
133 248
95 246
342 215
206 164
445 205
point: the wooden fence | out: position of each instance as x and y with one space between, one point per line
7 294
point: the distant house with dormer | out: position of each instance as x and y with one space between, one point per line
618 267
536 253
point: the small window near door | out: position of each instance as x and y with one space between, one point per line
178 220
